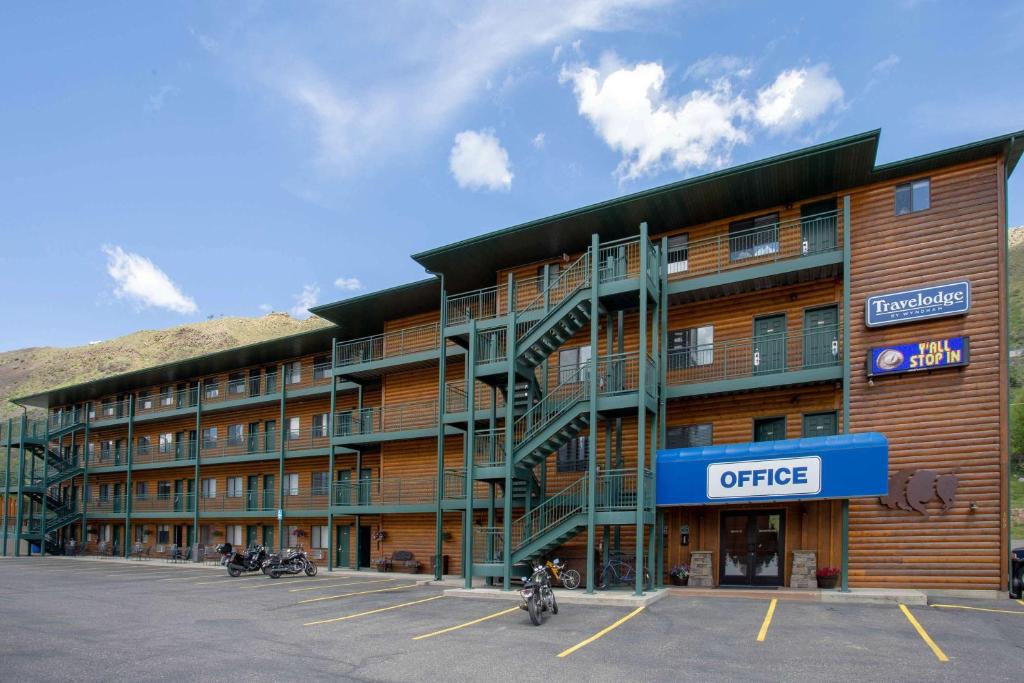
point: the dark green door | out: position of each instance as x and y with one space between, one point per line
820 424
252 492
365 486
270 436
818 227
253 437
269 495
770 429
190 496
821 337
250 534
178 491
268 537
192 444
254 382
343 490
117 498
341 547
769 344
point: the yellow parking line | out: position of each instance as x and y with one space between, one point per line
284 581
468 623
372 611
924 635
1021 602
345 595
767 620
602 632
982 609
343 583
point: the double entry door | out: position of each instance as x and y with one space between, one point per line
752 550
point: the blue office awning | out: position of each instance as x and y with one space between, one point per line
817 468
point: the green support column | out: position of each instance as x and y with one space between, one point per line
196 486
280 463
846 380
442 375
510 399
467 519
125 549
330 458
359 473
641 425
655 539
662 400
7 481
591 489
19 513
45 482
83 535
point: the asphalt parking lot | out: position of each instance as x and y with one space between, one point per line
63 619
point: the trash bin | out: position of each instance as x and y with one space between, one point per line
444 564
1017 574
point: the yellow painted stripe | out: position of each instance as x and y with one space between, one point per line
285 580
602 632
372 611
343 583
468 623
1021 602
767 620
982 609
345 595
924 635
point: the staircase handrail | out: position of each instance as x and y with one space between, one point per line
582 280
531 522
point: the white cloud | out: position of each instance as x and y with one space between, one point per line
139 280
797 97
538 141
717 66
348 284
886 65
266 308
556 53
418 89
155 102
209 44
306 299
478 161
631 109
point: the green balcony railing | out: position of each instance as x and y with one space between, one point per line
388 345
395 417
163 502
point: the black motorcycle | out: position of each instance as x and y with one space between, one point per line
250 561
292 561
537 595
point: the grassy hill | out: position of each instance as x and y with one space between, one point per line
26 371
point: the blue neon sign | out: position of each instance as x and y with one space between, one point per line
931 354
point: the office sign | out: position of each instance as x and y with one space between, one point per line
930 354
936 301
821 467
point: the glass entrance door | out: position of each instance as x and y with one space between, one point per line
752 550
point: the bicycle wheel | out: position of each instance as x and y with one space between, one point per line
624 573
610 576
570 579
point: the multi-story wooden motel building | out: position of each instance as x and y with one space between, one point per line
601 381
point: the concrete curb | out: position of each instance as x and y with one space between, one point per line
567 597
876 596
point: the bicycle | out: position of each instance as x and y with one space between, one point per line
569 578
618 571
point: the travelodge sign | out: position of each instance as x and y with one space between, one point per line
936 301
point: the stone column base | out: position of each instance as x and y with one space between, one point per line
805 566
701 569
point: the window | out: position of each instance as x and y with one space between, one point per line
235 435
205 534
572 363
91 450
106 447
770 429
293 536
145 401
210 437
754 237
163 490
104 492
233 534
320 425
319 484
234 487
574 455
166 397
166 442
144 445
271 383
293 372
90 408
107 408
320 537
141 534
678 254
688 436
141 490
554 270
211 388
820 424
236 384
209 488
120 446
293 428
913 197
291 484
691 347
106 532
321 367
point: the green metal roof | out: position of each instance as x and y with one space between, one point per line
364 315
787 178
270 351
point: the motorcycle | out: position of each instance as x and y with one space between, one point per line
225 550
293 561
251 561
537 595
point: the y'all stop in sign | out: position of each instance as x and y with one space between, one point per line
929 354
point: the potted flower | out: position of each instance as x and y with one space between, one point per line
383 564
827 577
679 575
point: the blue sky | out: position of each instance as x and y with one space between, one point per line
165 163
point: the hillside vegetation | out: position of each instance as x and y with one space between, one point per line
27 371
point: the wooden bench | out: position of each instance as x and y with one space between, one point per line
404 561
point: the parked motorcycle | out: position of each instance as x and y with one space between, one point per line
292 561
537 595
226 551
250 561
